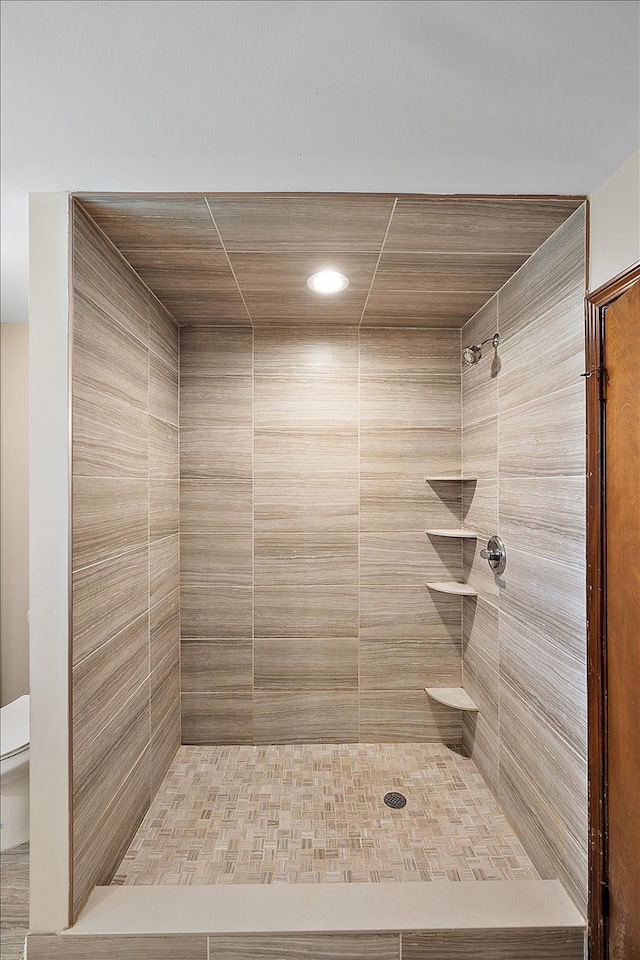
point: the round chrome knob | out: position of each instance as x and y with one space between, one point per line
496 554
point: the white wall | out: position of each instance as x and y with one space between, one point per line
49 582
615 223
14 531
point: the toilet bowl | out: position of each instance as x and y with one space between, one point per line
14 773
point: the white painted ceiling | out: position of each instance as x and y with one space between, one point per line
434 96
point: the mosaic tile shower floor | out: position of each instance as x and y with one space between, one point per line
314 813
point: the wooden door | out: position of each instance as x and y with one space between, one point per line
622 613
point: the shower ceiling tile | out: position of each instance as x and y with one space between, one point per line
196 286
146 234
481 225
174 246
243 259
408 285
432 309
274 284
414 274
134 207
339 222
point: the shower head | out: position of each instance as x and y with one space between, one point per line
472 354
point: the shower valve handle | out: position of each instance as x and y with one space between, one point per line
496 553
490 554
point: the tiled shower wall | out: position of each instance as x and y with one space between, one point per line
125 645
524 637
304 610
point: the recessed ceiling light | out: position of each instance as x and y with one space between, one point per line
328 281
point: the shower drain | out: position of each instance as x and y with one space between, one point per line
395 800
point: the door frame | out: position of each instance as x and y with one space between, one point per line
596 305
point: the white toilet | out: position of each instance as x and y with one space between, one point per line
14 773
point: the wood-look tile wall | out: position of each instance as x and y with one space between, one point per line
125 648
524 637
304 611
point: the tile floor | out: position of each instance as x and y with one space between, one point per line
14 901
314 813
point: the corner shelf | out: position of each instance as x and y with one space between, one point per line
448 478
454 697
464 534
452 586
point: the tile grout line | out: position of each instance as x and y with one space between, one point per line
253 533
498 604
233 273
375 269
462 524
179 348
359 534
149 535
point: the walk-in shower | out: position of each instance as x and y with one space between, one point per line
282 512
